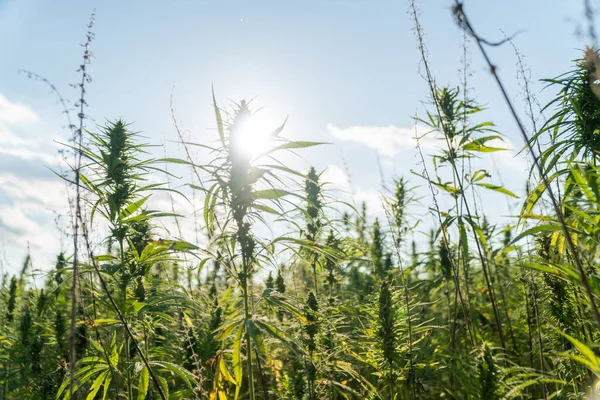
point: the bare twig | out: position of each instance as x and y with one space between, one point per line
77 139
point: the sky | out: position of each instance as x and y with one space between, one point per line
346 72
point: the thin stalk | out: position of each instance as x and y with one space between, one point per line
391 381
5 386
505 303
538 326
262 377
529 334
77 137
314 268
124 312
529 100
248 339
453 355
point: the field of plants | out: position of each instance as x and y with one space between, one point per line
334 305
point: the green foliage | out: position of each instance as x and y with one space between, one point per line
12 299
477 311
488 374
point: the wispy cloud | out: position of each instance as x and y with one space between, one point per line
336 176
388 141
15 113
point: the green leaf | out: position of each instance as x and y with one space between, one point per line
106 321
96 385
537 229
276 333
280 300
114 355
164 385
143 383
175 160
267 209
219 118
479 175
296 145
107 381
593 361
536 194
66 384
479 145
238 368
255 336
563 272
270 194
498 189
277 131
224 371
186 376
132 208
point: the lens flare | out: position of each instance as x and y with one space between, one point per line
257 135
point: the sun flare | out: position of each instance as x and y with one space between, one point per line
257 136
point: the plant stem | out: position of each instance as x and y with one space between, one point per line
124 312
247 318
78 155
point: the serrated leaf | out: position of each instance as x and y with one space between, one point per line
96 385
498 189
238 368
143 384
270 194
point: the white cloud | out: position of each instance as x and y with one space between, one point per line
29 154
15 113
336 176
7 138
372 198
388 141
16 220
44 193
509 158
17 145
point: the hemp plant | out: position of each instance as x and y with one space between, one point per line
314 215
114 172
463 140
241 190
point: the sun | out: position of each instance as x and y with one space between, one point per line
256 137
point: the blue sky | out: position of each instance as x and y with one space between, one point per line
342 70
